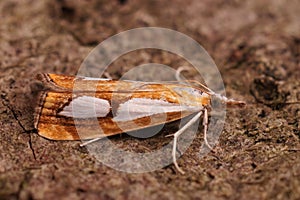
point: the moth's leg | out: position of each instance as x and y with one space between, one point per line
205 124
90 141
177 134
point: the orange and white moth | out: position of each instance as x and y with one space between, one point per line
119 107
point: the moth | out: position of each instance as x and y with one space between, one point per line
119 106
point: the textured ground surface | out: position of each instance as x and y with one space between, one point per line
256 45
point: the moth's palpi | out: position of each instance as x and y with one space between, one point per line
54 118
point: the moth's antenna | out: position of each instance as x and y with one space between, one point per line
179 71
198 84
107 75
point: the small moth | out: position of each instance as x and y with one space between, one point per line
120 106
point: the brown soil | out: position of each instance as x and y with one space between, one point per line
256 45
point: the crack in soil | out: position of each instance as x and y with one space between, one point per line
7 104
31 146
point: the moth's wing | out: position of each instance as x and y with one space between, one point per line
56 118
120 106
55 82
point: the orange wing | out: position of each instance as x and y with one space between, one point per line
170 102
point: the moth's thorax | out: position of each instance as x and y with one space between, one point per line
192 96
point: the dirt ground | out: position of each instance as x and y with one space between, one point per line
255 44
